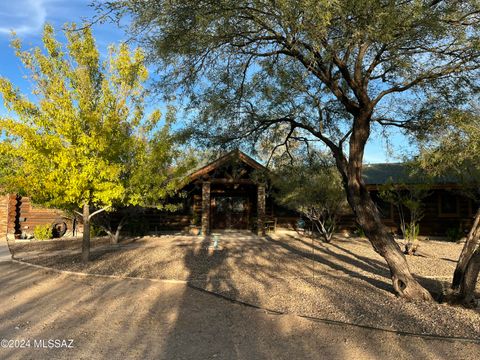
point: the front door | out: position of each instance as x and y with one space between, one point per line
230 212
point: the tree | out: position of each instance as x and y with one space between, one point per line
153 173
84 142
312 187
330 70
408 200
450 148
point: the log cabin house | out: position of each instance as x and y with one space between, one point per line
231 193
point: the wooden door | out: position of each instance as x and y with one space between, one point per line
230 212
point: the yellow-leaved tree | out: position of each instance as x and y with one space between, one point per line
82 142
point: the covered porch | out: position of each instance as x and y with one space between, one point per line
227 205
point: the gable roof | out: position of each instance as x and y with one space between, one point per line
232 155
373 174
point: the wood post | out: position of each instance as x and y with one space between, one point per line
86 233
261 210
206 208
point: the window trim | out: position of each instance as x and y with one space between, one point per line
457 205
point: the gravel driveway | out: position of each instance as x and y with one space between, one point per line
141 319
345 280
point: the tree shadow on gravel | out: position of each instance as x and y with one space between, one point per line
110 318
358 262
291 275
371 266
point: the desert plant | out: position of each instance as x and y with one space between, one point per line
312 187
195 219
96 230
359 232
411 236
408 200
43 232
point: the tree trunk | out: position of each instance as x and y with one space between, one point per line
473 239
115 237
367 214
383 242
469 280
86 234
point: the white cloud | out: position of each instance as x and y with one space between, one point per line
25 17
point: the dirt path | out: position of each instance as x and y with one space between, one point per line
130 319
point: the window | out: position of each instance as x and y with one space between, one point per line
448 204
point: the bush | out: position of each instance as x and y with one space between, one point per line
43 232
359 232
412 232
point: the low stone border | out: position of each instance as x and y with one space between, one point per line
266 310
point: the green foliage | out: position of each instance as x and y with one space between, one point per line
255 69
85 138
196 219
96 231
359 232
411 232
450 149
408 200
43 232
312 187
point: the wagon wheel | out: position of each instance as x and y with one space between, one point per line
59 228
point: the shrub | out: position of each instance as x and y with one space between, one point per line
359 232
43 232
412 231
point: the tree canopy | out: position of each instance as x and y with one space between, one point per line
451 146
84 139
305 70
314 65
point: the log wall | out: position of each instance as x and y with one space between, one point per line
3 215
29 216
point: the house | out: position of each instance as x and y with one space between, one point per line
233 192
228 193
446 207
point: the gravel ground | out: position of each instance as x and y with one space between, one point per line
345 280
141 319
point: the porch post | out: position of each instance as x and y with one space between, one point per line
261 210
205 208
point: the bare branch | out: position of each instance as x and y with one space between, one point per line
98 211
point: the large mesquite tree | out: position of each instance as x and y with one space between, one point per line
320 70
81 141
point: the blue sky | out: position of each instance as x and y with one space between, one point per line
27 17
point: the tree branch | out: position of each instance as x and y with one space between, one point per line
98 212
